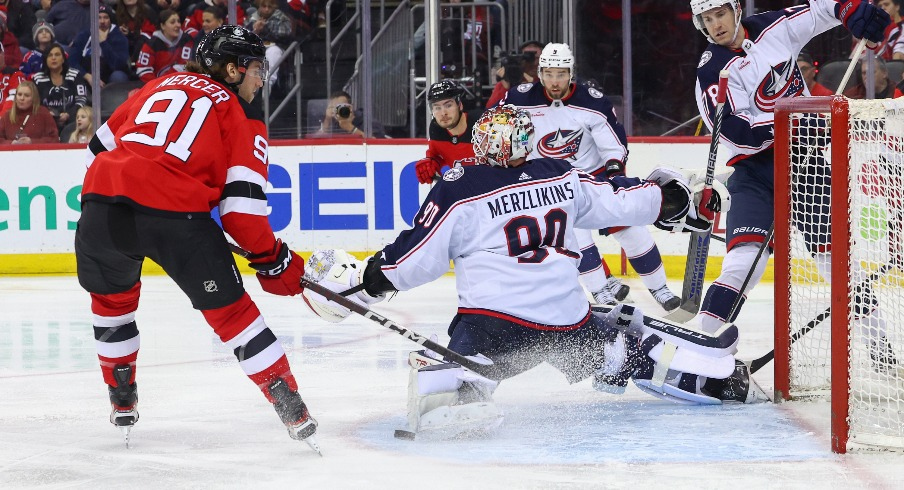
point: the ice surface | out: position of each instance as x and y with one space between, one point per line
204 425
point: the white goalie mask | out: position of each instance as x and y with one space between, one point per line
502 134
698 7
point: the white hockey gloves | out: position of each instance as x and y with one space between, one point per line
338 271
446 399
678 213
716 200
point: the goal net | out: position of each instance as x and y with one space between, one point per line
839 301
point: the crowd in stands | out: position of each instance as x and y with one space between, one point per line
47 44
46 76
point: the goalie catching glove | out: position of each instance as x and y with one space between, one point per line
339 272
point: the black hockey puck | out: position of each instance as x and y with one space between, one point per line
404 434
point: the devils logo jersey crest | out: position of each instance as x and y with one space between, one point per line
562 144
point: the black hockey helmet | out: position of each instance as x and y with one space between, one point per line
445 89
232 43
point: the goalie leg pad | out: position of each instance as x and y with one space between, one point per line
674 394
445 397
687 358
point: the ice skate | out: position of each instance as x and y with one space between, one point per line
124 398
294 413
617 288
739 387
666 299
882 356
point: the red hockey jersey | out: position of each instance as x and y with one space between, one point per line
182 146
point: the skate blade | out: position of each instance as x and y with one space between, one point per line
126 429
312 442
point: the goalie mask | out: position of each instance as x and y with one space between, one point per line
698 7
502 134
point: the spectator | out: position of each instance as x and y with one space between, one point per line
341 120
69 17
212 17
43 36
167 51
12 55
82 130
27 121
884 87
20 17
62 89
160 5
530 52
10 78
136 21
195 19
275 28
892 33
114 51
808 70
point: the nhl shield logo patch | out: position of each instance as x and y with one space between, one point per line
210 286
453 174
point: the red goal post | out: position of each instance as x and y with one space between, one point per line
838 213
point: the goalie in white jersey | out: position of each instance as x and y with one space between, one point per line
508 225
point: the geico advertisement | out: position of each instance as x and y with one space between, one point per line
357 197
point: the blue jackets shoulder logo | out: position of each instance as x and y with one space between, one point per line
561 143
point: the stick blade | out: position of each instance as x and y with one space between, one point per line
683 314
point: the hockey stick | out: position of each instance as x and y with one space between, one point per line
758 363
698 248
337 298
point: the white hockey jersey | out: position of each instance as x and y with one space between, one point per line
510 234
581 128
764 71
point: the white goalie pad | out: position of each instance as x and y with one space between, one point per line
674 394
684 348
434 401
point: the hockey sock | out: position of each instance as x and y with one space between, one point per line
643 254
115 331
593 273
722 293
241 327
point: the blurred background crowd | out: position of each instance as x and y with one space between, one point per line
321 61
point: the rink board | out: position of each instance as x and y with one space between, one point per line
321 195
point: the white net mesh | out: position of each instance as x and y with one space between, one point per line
876 309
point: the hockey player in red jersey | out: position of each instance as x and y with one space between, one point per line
578 124
449 132
508 225
187 143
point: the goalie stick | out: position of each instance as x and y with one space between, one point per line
698 248
337 298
